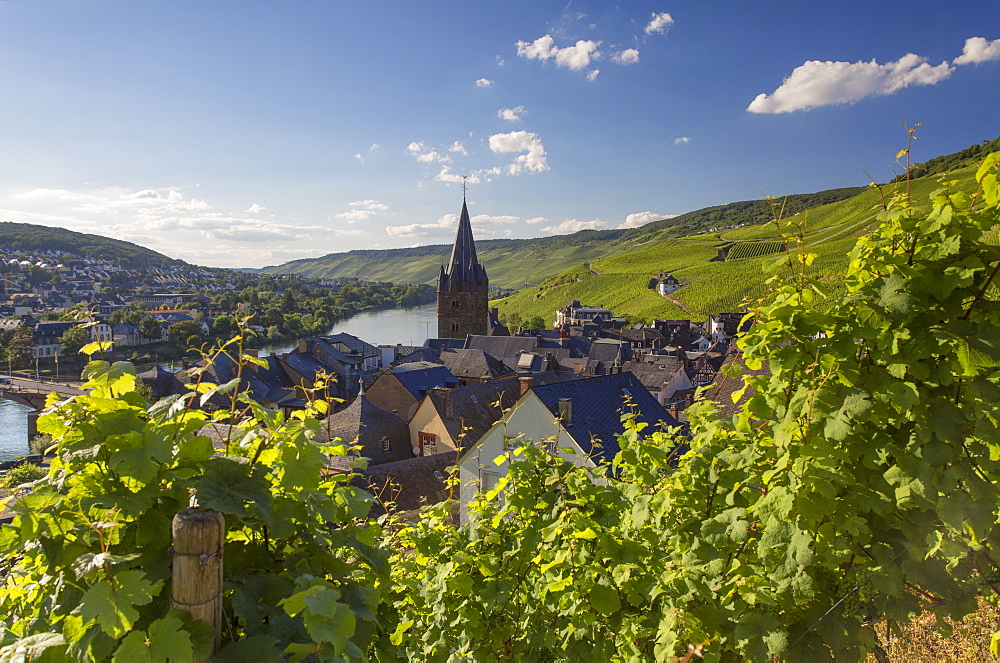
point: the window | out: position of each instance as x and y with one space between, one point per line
488 481
454 303
386 445
428 443
454 326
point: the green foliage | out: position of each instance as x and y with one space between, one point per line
24 473
18 344
513 263
73 339
40 443
89 569
857 486
180 334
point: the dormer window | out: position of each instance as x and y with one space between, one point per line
386 445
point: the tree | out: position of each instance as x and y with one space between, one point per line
534 322
73 339
224 327
150 328
19 345
180 333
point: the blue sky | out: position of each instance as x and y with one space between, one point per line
252 133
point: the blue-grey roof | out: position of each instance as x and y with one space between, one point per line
419 376
305 364
464 272
598 404
356 345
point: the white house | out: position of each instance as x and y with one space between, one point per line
578 420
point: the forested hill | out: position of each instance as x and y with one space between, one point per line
514 262
32 238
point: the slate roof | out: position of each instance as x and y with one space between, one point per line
598 404
356 345
420 354
723 387
474 364
365 423
654 375
464 272
305 364
473 409
440 344
508 347
162 382
413 483
419 376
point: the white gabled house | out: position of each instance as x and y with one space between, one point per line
579 420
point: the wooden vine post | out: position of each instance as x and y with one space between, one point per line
196 586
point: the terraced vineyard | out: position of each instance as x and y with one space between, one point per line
754 249
712 286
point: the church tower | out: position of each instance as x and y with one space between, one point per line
463 288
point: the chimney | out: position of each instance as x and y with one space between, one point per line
274 354
673 410
251 352
525 379
184 362
566 411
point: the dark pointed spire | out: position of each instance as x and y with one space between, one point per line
464 272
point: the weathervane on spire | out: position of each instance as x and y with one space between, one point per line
465 186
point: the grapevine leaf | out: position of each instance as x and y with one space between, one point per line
112 607
229 483
32 647
605 599
256 648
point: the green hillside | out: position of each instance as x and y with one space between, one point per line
512 263
711 285
29 237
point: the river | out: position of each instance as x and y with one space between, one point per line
13 429
409 326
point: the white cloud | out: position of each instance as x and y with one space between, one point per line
642 218
361 210
424 154
572 226
450 222
574 57
458 148
628 56
484 82
680 140
817 83
511 114
978 49
533 160
592 75
537 219
359 157
375 147
454 178
659 23
162 218
500 61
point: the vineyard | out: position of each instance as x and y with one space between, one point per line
710 286
847 509
754 249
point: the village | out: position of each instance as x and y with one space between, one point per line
412 412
